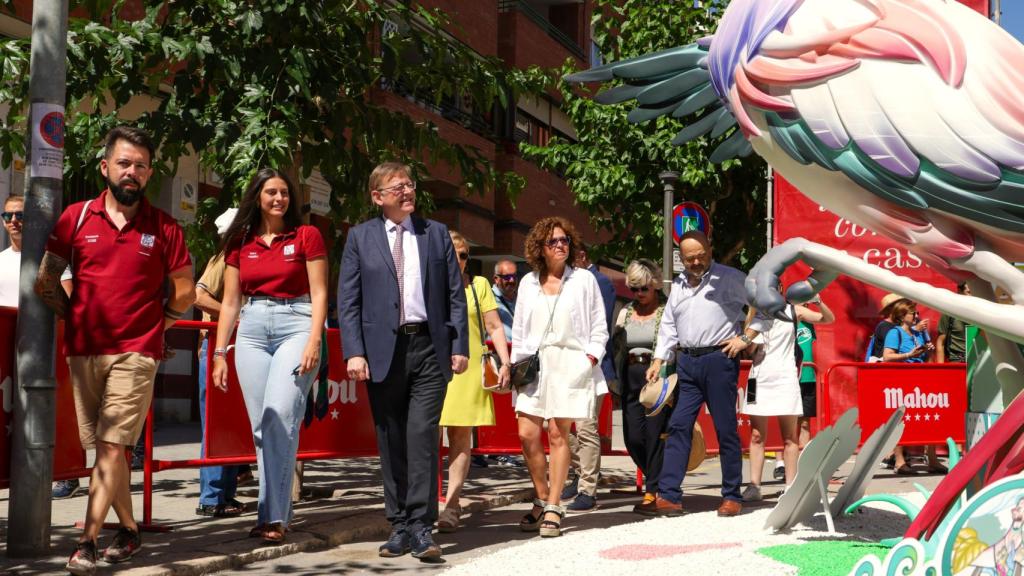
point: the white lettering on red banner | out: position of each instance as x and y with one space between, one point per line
896 398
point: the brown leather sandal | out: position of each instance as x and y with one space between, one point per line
258 531
274 534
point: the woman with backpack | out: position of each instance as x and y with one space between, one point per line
773 389
904 342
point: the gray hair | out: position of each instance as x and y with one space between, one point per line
497 265
643 272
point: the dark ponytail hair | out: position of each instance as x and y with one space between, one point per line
249 215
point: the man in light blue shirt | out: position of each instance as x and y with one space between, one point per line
506 285
703 320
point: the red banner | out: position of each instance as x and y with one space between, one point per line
933 395
345 430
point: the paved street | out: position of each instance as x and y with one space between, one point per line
340 523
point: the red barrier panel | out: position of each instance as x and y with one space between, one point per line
934 396
345 431
68 456
8 324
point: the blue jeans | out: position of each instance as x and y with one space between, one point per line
271 337
217 484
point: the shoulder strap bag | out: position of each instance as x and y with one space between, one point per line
524 372
488 360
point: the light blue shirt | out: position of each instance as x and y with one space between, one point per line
898 340
505 309
703 315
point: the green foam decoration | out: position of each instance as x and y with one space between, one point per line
823 557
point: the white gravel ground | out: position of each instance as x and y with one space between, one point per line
699 543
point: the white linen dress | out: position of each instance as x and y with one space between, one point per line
565 386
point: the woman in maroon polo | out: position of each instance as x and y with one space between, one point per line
280 266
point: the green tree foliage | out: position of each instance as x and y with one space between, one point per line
613 167
252 83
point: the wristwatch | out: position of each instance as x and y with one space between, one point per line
746 339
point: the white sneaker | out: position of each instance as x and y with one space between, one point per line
752 493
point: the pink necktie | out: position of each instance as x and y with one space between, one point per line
398 256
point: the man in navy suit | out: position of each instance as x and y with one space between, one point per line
402 311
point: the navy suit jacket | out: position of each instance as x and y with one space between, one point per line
608 297
368 295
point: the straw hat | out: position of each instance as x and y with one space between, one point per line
659 393
887 301
698 451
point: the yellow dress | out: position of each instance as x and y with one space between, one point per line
466 403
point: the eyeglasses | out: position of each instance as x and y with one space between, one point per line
505 277
640 289
397 188
8 216
554 242
463 255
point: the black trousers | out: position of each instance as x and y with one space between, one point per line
642 434
406 408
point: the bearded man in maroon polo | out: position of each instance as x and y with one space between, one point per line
121 251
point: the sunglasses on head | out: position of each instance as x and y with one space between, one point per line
560 241
639 289
463 255
8 216
506 277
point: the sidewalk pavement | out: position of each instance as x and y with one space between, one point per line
342 502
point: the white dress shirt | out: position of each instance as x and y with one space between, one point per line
10 274
412 295
707 314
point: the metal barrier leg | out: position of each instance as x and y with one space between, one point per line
147 524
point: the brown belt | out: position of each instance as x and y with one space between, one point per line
644 358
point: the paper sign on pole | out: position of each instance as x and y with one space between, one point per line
319 194
47 140
183 199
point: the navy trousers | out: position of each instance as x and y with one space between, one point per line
710 379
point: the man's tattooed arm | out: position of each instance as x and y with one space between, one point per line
48 283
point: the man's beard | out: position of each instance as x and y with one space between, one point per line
123 196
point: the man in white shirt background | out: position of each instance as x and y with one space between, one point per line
10 259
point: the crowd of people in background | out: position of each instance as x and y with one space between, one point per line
434 343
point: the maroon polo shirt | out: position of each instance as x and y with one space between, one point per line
118 298
277 270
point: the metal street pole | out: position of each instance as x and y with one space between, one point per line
997 12
668 180
33 426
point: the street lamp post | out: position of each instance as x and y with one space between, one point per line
668 180
33 428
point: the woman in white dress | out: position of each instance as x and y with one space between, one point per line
773 389
559 316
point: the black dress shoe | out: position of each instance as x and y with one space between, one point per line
423 546
397 545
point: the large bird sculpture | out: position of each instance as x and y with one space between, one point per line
903 116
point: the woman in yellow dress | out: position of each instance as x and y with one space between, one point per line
467 404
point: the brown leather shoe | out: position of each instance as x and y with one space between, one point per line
730 508
660 507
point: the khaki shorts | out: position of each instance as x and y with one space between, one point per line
112 396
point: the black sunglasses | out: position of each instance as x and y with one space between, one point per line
463 255
561 240
8 216
506 277
635 289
